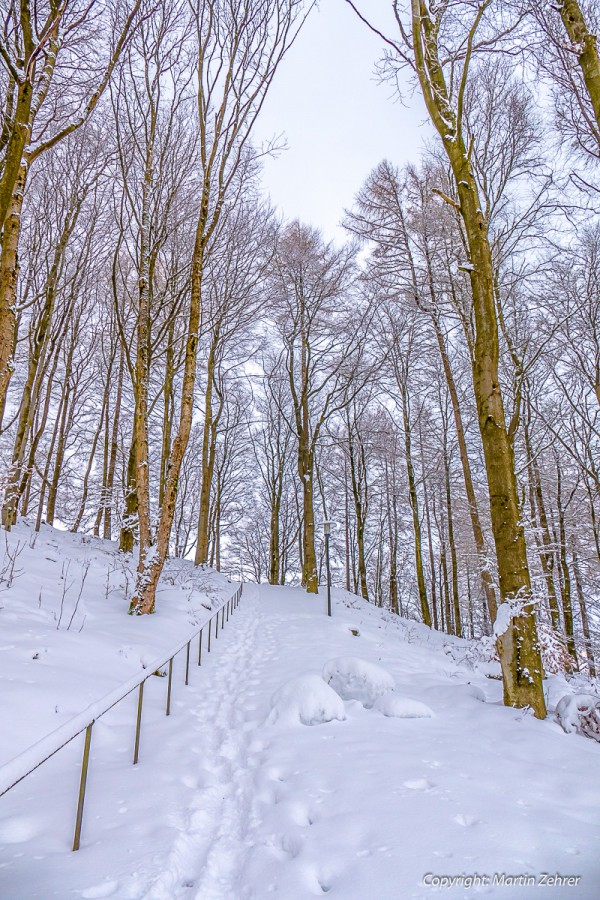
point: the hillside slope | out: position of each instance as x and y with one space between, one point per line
264 781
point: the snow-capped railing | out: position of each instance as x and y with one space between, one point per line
27 762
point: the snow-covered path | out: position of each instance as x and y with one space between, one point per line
226 805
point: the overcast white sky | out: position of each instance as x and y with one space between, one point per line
338 121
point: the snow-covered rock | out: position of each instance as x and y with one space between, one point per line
354 678
580 713
393 705
307 700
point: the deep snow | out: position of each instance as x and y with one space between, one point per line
234 797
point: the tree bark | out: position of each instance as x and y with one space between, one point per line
586 44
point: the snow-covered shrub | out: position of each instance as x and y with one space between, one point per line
580 713
306 700
482 654
391 704
354 678
553 647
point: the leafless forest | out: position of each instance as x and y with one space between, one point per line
186 373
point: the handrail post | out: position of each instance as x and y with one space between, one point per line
222 617
228 602
200 648
169 687
136 749
82 784
187 663
209 621
216 626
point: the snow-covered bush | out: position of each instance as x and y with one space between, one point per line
482 654
391 704
306 700
354 678
580 713
553 647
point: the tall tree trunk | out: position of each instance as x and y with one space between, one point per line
453 560
209 447
414 505
128 526
392 519
274 536
66 423
310 579
585 623
432 579
358 476
109 481
142 362
546 552
168 408
564 566
103 418
9 275
486 578
347 524
586 45
518 645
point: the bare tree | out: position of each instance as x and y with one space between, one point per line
238 52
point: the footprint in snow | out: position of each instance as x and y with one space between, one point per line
465 821
300 814
18 830
419 784
189 781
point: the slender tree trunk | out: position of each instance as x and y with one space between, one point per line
50 456
143 601
109 481
392 519
9 275
168 409
566 575
585 623
434 604
101 422
310 578
446 588
128 527
358 475
346 524
66 423
546 552
102 503
414 505
274 537
142 364
486 578
453 559
209 445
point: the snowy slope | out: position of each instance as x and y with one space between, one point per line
235 799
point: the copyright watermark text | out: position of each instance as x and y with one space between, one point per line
501 879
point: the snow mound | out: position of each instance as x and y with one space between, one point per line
354 678
390 704
580 713
306 699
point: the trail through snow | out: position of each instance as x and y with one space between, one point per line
229 805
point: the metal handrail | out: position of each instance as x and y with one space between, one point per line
22 765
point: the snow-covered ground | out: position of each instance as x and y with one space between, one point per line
288 768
